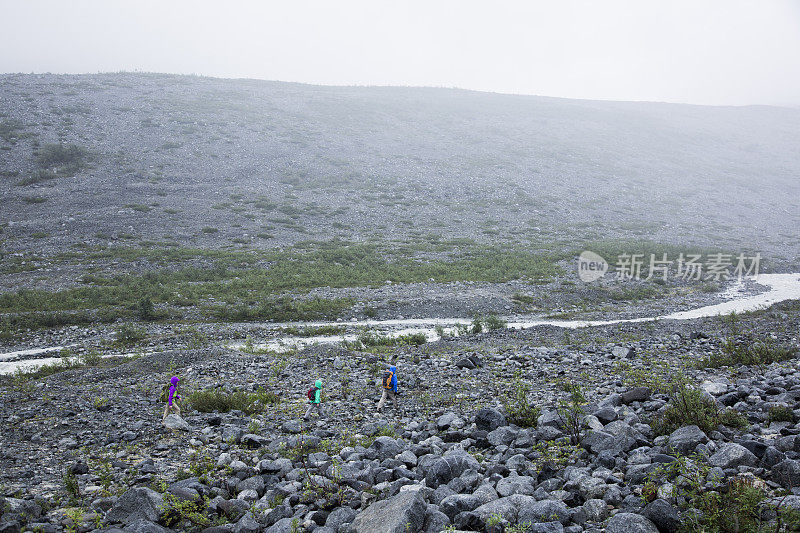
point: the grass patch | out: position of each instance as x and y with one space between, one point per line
129 335
63 159
282 310
34 199
10 130
239 285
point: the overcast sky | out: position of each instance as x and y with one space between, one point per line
698 51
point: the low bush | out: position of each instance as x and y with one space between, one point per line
208 401
488 323
689 406
519 409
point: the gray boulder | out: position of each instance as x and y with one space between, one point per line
489 419
684 440
663 515
247 524
596 510
444 469
630 523
284 525
732 455
403 513
340 517
174 421
638 394
385 447
140 503
787 473
545 511
507 509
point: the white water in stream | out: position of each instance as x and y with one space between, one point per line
780 287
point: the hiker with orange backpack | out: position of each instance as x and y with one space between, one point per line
389 383
314 400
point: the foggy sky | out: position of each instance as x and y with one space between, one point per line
719 52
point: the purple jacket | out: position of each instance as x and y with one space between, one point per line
173 388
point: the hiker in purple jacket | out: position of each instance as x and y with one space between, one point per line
172 401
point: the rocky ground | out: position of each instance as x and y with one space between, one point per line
84 449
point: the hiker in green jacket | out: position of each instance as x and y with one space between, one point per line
315 400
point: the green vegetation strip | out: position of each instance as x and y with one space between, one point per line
234 288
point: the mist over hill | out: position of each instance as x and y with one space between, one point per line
213 163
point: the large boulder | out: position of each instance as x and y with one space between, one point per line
663 515
638 394
787 473
506 509
732 455
458 503
489 419
545 511
600 441
685 439
339 517
174 421
139 503
403 513
630 523
444 469
385 447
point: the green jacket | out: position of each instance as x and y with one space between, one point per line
318 392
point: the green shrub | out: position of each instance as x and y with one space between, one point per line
209 229
314 331
146 310
741 505
689 406
518 408
522 299
781 414
570 411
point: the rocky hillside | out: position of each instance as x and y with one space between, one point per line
213 162
628 428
